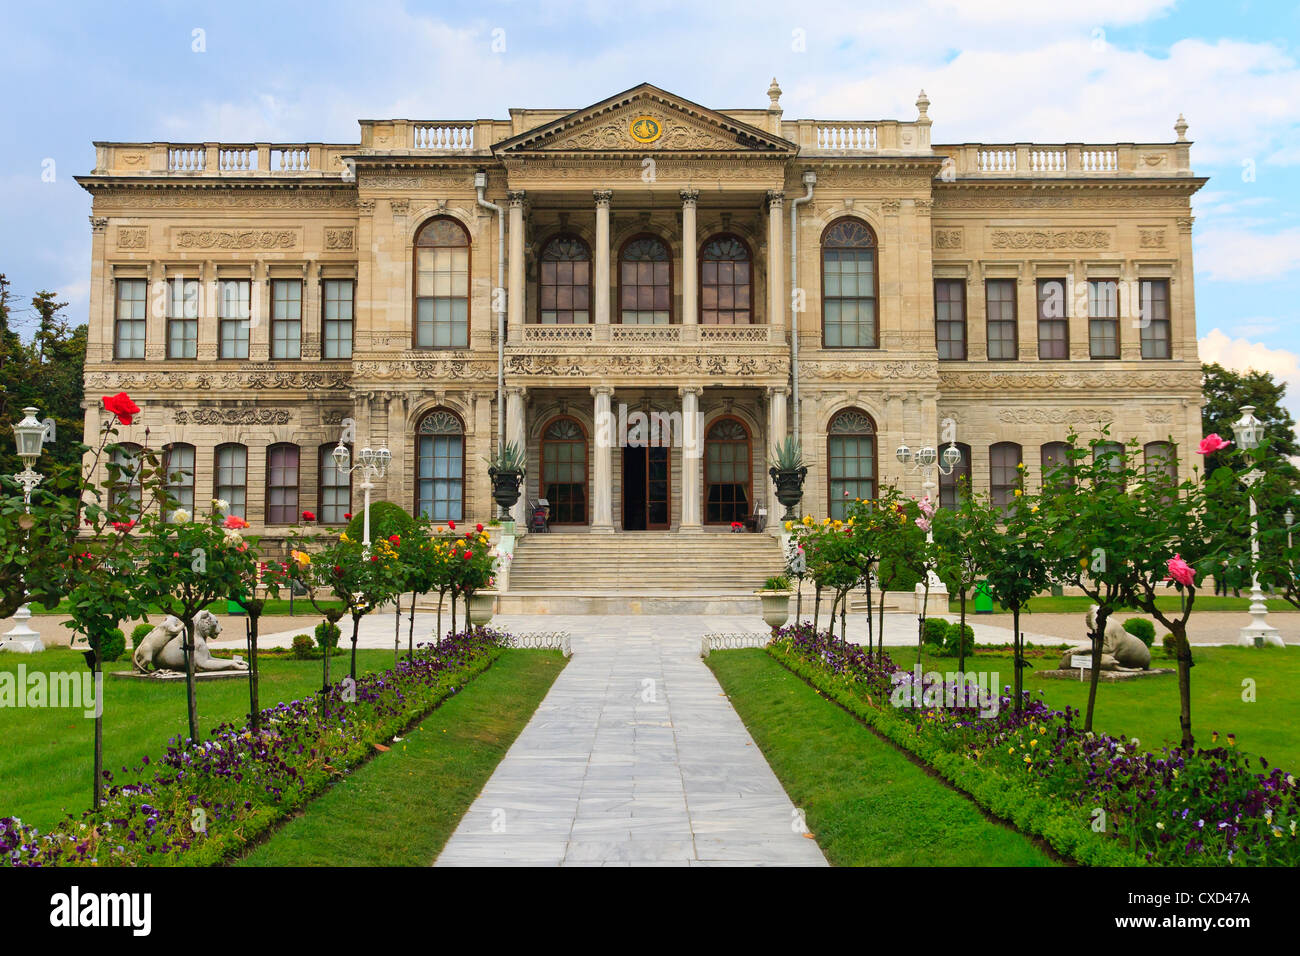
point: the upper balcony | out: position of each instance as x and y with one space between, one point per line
224 160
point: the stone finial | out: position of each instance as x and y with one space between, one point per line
774 95
1181 128
922 104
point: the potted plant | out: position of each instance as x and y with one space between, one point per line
788 473
506 469
775 595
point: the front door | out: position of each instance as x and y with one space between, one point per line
645 489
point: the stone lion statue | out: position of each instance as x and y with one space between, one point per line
1120 650
162 649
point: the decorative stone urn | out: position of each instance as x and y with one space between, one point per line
482 605
789 488
776 607
505 488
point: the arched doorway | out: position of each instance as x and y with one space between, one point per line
564 470
728 472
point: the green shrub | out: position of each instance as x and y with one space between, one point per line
386 519
1142 629
303 649
1170 645
934 632
140 632
778 583
327 634
950 645
112 645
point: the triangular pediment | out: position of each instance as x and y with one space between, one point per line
645 119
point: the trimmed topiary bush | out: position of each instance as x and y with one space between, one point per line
950 645
1142 629
327 634
386 519
1170 645
112 646
139 633
934 632
303 649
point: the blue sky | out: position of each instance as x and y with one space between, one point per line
1105 71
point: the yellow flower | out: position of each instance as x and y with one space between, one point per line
344 537
789 526
1018 492
1033 743
301 558
1027 759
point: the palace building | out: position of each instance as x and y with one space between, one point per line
450 284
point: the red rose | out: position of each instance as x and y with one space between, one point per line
121 406
478 528
395 538
308 516
451 525
374 557
338 571
348 516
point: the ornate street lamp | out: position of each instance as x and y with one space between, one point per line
925 460
372 464
1247 431
29 436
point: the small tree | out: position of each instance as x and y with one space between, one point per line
960 558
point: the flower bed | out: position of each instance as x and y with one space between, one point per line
1095 798
207 801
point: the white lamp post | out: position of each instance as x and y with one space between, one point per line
924 461
373 464
1247 431
29 435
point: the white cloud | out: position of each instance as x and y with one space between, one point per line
1241 355
1237 255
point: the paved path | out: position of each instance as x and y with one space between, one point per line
634 758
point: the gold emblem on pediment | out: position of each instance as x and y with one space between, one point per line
645 129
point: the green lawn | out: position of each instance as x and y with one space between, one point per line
1147 708
401 807
1079 604
864 800
45 761
274 607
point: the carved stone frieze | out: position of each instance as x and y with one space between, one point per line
233 416
243 380
181 198
339 238
268 239
1189 380
132 237
1050 239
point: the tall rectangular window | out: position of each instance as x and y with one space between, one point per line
231 484
1000 302
336 333
128 324
233 318
1103 319
1004 473
334 499
178 461
1155 318
1053 320
950 319
286 319
182 318
282 484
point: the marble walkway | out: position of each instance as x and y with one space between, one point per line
635 757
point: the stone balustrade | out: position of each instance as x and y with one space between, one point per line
1035 160
307 160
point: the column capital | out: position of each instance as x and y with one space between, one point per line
519 391
603 196
516 196
689 196
778 390
598 390
696 390
775 198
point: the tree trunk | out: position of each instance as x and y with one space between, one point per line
961 635
1097 637
437 636
192 705
410 632
356 623
327 649
97 766
397 629
880 638
453 613
817 606
798 602
1184 684
255 711
870 635
844 631
1018 660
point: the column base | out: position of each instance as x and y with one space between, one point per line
691 528
602 529
1260 635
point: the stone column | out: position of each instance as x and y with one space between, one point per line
602 512
601 281
515 274
690 265
776 433
692 457
776 300
517 434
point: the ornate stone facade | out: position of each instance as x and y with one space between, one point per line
643 208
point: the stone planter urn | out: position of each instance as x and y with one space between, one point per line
505 489
776 607
482 605
789 488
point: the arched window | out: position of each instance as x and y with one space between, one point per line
333 488
1111 453
849 285
565 287
1161 457
564 471
440 466
231 480
178 465
282 484
645 282
955 486
728 473
124 487
725 282
1004 473
1054 455
442 285
851 455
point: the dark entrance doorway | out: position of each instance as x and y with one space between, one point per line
645 489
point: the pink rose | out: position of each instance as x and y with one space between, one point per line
1212 443
1180 571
